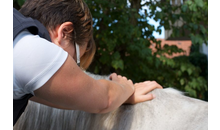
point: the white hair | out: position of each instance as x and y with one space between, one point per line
170 110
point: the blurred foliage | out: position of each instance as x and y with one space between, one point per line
18 3
123 36
193 14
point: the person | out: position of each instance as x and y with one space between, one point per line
53 43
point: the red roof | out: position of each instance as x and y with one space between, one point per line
183 44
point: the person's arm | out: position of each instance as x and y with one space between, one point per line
141 93
142 89
71 88
44 102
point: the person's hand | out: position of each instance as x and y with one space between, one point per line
141 92
121 80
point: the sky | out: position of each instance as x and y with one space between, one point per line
155 34
151 21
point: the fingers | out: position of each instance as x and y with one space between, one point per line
123 77
136 98
113 76
119 76
130 81
146 97
153 84
142 92
150 84
144 88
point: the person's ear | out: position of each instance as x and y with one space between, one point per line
63 31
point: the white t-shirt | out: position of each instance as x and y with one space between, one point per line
35 60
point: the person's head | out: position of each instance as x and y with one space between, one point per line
68 22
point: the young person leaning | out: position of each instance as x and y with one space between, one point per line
48 73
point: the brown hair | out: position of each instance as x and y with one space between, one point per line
55 12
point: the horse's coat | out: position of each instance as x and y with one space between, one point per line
170 110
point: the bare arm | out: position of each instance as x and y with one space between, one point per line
142 89
71 88
45 102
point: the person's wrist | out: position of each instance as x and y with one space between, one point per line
129 100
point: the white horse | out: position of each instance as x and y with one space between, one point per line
170 110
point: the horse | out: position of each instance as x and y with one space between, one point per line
169 110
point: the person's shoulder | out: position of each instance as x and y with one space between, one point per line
22 34
35 61
24 39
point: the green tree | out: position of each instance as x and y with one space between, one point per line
124 36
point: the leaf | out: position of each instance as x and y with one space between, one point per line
197 39
116 56
202 28
191 91
104 59
183 68
118 64
193 7
184 7
182 81
199 3
189 70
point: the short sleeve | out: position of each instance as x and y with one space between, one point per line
35 61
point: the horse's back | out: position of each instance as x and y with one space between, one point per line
170 110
